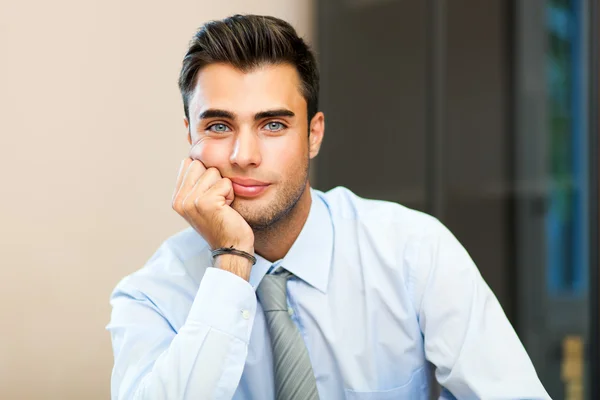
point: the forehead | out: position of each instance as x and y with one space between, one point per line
222 86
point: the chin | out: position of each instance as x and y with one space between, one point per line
270 207
249 202
256 217
250 207
260 212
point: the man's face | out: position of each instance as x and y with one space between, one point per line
252 126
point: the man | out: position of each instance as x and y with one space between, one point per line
281 291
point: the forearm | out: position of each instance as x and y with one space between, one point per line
235 264
201 363
205 359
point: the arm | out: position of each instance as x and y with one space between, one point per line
468 338
204 360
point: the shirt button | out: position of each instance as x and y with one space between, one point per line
245 314
290 311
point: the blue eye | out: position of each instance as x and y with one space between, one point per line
219 128
274 126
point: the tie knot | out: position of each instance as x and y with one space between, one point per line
272 291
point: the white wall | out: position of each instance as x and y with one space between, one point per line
91 137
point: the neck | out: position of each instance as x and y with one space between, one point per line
274 242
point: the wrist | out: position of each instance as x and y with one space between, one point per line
235 264
245 245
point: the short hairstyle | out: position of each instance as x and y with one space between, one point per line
247 42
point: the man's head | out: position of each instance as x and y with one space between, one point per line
250 88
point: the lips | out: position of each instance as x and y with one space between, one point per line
246 187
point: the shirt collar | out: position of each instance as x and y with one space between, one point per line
310 256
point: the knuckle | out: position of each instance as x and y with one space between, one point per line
226 182
187 204
199 202
212 172
176 204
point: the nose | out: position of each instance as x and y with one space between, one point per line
246 150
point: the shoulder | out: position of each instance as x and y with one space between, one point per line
390 240
346 205
408 239
404 241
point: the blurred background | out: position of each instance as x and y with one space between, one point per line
482 113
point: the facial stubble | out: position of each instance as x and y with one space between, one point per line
286 199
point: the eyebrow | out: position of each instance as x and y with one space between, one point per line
216 113
282 112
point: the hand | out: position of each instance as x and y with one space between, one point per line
203 198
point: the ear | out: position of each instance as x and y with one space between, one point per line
317 131
187 128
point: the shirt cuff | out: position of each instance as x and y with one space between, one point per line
225 302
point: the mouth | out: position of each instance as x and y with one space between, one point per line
244 187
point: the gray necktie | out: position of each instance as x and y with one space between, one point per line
294 378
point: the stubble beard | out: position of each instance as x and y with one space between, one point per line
284 203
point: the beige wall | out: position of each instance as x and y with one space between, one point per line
91 137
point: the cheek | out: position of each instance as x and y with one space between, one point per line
288 155
210 153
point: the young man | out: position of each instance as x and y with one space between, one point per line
279 291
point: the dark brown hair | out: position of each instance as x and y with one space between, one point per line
247 42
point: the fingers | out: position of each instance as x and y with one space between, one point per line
190 172
220 192
199 187
190 204
208 178
193 173
185 163
223 189
216 195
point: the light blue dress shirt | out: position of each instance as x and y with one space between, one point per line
379 290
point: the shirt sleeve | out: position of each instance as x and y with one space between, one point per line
204 360
467 336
